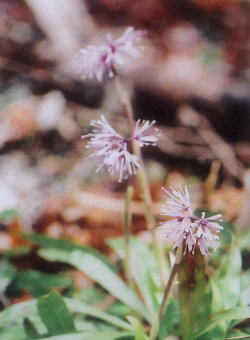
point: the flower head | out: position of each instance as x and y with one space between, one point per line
178 232
95 61
206 232
146 133
185 230
91 62
112 150
177 203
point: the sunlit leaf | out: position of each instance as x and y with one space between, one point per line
227 278
143 266
217 305
245 288
105 335
138 329
17 312
100 273
76 306
12 333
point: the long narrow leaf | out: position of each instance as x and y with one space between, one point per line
100 273
64 244
80 307
144 268
104 335
16 313
238 313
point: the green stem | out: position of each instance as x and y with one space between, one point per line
154 331
127 225
173 272
167 291
144 183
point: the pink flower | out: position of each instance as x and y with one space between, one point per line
206 232
185 230
112 150
145 133
94 61
178 232
177 203
91 62
127 44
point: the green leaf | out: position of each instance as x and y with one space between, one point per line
227 278
30 330
233 333
119 309
225 293
138 329
170 324
8 214
38 283
65 245
76 306
105 335
7 273
17 251
16 313
245 288
12 333
219 330
238 313
144 268
55 315
100 273
90 295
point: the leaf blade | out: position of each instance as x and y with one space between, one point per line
101 274
55 315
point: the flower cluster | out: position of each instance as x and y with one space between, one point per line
95 61
112 150
185 230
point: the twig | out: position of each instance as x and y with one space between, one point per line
221 149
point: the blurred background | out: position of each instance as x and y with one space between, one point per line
193 79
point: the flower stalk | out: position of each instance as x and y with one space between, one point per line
169 284
127 226
142 177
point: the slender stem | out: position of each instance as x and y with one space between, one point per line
154 331
167 291
156 325
142 176
125 102
127 224
171 278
